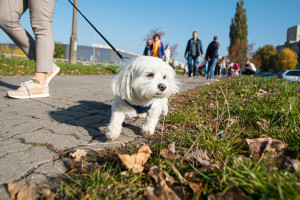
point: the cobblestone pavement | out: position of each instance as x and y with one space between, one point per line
32 131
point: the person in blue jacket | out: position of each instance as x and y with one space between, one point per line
157 48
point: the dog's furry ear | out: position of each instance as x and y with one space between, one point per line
122 82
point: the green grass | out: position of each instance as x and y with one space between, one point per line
216 118
22 67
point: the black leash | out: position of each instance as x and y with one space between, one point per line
113 48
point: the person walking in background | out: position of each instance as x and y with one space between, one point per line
212 57
157 47
192 52
250 68
168 54
40 49
146 50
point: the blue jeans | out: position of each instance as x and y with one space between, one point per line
211 68
206 68
192 60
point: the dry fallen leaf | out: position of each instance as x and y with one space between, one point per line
169 179
171 147
166 153
232 121
136 161
198 155
261 94
78 154
25 192
273 151
234 193
210 168
262 124
268 146
163 191
197 188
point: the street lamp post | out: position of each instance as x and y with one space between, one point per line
73 40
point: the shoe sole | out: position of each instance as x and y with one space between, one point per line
52 75
30 97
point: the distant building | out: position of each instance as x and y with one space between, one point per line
292 42
293 34
98 53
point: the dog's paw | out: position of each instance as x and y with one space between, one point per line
147 131
142 116
112 135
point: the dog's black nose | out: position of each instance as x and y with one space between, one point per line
162 87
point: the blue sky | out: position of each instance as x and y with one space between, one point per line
125 22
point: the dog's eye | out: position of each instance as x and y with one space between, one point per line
164 77
150 75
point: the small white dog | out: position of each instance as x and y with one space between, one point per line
141 88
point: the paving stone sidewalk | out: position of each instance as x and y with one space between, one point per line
75 115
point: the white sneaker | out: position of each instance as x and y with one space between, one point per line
30 89
50 75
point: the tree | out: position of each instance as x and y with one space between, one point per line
173 49
269 57
239 27
238 52
17 51
238 34
152 32
59 51
5 49
287 59
256 60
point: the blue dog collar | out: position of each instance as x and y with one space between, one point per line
140 109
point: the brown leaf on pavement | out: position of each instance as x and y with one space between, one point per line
78 154
198 155
136 161
234 193
25 192
162 191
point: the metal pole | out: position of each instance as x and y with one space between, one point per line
73 40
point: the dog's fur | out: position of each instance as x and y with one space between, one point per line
146 80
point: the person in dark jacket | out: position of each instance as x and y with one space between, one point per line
146 50
192 51
212 57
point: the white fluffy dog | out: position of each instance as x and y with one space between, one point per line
141 88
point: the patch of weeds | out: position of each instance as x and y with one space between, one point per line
215 119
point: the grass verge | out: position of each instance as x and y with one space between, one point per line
217 119
22 67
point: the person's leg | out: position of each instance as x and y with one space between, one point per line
195 58
251 72
10 13
212 67
190 62
41 13
206 68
